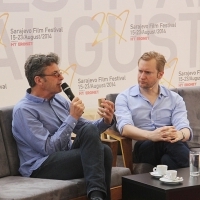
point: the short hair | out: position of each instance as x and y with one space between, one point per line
36 64
160 59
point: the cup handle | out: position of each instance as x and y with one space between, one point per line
154 169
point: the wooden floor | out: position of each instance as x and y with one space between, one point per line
116 194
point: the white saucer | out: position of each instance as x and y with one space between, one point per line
155 174
168 181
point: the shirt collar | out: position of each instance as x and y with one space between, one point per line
162 91
34 98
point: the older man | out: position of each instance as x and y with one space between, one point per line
42 125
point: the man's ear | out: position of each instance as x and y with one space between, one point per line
38 80
160 75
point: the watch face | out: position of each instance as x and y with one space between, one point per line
183 135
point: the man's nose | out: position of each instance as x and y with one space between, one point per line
61 77
142 75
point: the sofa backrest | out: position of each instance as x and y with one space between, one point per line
191 96
4 167
8 140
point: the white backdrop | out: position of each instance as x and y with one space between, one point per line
99 43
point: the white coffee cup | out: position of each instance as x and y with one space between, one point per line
171 174
160 169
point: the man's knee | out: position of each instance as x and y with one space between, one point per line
90 130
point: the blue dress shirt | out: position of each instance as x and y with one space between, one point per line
132 108
41 127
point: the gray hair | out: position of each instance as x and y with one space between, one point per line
36 64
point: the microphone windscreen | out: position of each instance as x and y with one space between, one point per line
67 91
64 85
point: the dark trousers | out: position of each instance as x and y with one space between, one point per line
174 155
88 158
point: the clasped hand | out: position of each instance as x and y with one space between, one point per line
166 133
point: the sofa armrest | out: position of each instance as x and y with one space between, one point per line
113 144
126 147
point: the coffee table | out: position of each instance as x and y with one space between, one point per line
146 187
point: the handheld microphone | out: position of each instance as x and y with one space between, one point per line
67 91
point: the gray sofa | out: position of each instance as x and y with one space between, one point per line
13 186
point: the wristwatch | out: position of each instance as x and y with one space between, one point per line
183 134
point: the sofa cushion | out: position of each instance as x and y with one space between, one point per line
17 187
191 96
117 173
4 167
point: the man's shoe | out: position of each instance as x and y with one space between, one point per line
96 198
